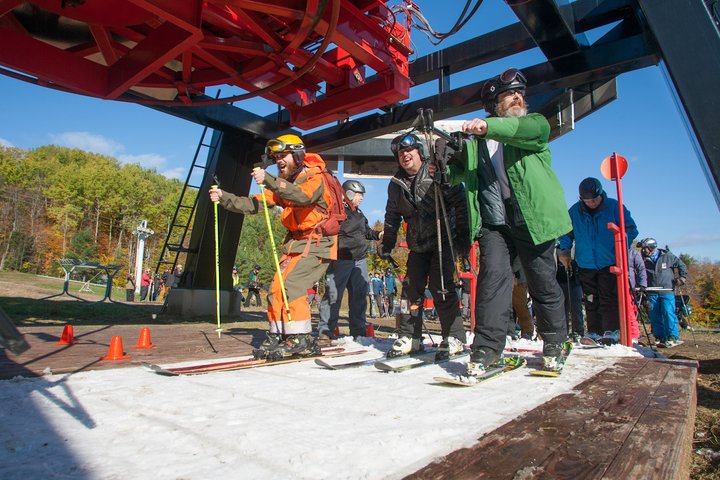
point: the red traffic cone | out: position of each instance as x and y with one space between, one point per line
67 337
144 340
337 332
115 352
370 330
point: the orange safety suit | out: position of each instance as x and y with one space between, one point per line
306 254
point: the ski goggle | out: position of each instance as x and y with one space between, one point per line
511 75
276 147
406 143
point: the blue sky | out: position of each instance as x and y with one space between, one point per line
664 188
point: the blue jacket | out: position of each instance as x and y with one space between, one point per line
594 242
377 285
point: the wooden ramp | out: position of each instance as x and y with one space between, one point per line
632 421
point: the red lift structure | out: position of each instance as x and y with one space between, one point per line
312 57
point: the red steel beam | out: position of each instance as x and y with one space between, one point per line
50 64
162 45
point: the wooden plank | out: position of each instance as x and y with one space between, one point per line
594 433
592 449
670 416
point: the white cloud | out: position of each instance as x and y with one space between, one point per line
145 160
6 143
697 239
178 173
92 142
87 141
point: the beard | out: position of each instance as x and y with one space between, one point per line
514 111
518 108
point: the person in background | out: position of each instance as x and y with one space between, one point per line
177 276
349 272
145 284
595 255
157 286
573 295
377 285
130 288
390 290
662 266
371 298
254 287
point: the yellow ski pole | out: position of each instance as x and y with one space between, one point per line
217 269
275 255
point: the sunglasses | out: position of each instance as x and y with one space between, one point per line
406 143
276 147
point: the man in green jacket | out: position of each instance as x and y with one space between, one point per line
517 208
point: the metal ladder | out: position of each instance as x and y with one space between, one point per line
175 242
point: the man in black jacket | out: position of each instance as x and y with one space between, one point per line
411 197
350 269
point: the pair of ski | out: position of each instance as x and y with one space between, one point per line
397 364
241 364
506 365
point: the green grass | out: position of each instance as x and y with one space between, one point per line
25 305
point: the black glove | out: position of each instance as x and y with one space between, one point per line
384 252
681 280
640 288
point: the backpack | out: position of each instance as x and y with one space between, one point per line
336 211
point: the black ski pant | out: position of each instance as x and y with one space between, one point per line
601 299
499 245
572 291
424 269
253 292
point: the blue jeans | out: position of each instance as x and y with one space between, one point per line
353 276
662 316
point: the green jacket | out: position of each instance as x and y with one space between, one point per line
527 159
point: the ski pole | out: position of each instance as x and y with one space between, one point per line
642 314
217 263
686 312
275 255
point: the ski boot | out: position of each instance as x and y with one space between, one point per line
448 347
270 343
554 356
295 346
480 360
611 337
405 346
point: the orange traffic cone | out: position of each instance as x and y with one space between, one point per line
370 330
144 340
115 352
67 337
337 331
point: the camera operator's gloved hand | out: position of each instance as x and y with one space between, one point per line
640 288
384 252
564 258
681 280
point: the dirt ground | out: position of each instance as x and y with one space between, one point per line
22 297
